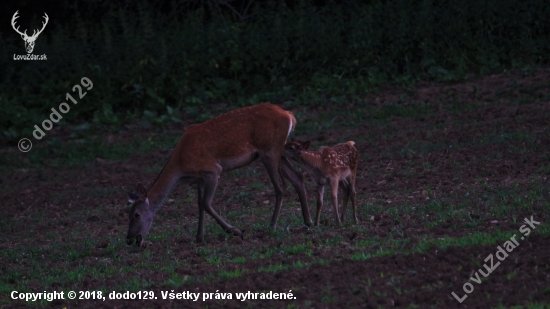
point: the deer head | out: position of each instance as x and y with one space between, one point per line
29 40
293 149
141 216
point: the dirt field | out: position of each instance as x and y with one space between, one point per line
447 174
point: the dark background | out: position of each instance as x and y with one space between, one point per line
169 60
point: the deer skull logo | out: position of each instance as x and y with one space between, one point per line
29 40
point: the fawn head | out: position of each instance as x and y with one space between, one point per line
293 149
141 216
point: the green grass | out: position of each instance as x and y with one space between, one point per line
301 248
41 250
238 260
274 268
70 153
530 306
230 274
177 280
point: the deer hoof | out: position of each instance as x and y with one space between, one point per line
235 231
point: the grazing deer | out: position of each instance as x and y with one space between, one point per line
336 166
29 40
221 144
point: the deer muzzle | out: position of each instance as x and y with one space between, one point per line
138 238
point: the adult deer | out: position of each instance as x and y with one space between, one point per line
336 166
29 40
221 144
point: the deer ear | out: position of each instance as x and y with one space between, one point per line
141 191
305 145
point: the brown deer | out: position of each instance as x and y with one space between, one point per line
336 166
219 145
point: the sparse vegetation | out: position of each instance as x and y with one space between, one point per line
451 160
468 218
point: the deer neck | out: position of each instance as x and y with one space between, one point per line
163 185
311 159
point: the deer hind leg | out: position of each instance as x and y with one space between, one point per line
297 181
272 167
283 182
353 194
200 230
320 193
344 184
334 196
210 185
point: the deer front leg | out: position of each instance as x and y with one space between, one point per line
320 193
210 185
200 230
334 195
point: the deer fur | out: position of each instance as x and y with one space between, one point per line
207 150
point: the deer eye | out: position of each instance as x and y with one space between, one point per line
136 215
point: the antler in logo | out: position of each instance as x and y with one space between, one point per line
29 40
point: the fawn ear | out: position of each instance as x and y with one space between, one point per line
305 145
141 191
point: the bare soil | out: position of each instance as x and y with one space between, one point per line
452 150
